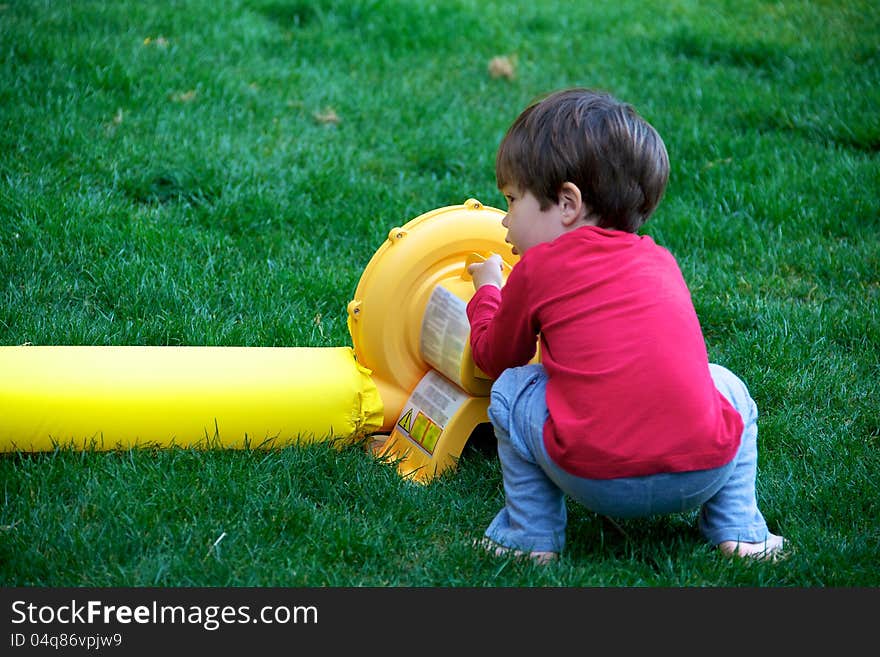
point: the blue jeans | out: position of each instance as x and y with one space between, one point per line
534 513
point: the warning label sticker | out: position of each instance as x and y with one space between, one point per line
428 410
445 332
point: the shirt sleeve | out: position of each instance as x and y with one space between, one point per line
503 331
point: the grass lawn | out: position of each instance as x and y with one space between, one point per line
220 173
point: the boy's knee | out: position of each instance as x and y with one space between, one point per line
499 415
499 402
507 389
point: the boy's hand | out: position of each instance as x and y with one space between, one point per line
487 272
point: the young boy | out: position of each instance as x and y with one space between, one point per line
624 413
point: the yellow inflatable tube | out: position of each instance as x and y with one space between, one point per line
104 397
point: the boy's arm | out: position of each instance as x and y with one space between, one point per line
502 332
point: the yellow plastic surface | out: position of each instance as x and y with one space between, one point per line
433 427
104 397
385 316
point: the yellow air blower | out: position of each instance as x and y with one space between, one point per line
409 327
408 380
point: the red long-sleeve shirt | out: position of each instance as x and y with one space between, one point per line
629 391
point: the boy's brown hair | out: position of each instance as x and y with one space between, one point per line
588 138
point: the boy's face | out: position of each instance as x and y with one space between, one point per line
526 223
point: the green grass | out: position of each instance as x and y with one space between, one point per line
164 180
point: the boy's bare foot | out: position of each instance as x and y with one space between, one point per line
498 550
771 549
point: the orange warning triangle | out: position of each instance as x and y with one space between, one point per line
406 421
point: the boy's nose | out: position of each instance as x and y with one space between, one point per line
504 221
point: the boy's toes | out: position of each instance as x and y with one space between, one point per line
771 549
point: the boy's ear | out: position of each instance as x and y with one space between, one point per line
571 203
